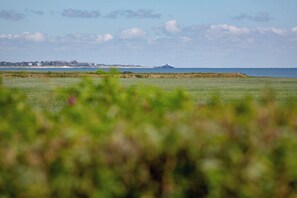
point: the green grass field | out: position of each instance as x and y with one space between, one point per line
41 92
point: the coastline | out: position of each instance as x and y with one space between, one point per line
72 67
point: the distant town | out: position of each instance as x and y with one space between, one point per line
73 63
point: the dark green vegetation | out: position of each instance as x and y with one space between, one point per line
113 141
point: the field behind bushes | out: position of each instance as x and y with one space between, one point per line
116 138
41 92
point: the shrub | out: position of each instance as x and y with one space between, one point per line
111 141
139 76
100 71
127 72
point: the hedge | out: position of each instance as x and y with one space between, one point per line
114 141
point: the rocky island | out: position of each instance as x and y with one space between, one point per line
167 66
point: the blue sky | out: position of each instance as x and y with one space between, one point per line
190 33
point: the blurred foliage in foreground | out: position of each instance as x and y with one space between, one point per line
110 141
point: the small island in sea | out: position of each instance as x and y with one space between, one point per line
167 66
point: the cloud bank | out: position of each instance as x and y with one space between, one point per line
136 14
25 36
195 45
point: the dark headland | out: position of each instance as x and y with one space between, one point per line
167 66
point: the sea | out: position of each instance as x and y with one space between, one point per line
254 72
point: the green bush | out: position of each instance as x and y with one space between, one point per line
101 71
111 141
112 71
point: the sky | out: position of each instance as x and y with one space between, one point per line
188 33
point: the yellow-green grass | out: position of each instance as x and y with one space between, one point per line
42 92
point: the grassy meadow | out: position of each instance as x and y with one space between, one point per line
41 92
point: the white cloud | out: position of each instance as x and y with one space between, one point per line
172 26
279 31
185 39
229 29
107 37
132 33
8 36
104 38
36 37
294 29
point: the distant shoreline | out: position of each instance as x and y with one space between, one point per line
72 67
134 67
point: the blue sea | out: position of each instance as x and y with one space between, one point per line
256 72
